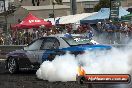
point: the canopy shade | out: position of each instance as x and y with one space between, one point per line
102 14
127 18
70 18
128 15
31 21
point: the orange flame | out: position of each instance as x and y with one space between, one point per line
81 71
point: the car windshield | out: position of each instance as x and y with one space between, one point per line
77 40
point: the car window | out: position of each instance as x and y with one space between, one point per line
35 45
77 40
50 43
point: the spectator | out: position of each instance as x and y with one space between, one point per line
89 32
110 32
33 35
130 31
124 32
26 37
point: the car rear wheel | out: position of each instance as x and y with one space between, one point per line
12 65
80 79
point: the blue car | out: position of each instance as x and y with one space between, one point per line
46 48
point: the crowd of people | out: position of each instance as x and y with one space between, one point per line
107 32
118 32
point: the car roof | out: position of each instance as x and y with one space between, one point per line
62 35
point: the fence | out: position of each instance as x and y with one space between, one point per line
5 49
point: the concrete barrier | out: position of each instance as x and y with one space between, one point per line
5 49
120 45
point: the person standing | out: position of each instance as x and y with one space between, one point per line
26 37
89 32
124 32
110 32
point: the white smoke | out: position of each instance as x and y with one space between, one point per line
64 68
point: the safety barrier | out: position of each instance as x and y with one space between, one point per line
5 49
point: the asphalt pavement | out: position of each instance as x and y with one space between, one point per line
28 79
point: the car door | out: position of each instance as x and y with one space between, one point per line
47 48
32 49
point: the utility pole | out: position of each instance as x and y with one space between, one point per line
73 6
53 3
5 16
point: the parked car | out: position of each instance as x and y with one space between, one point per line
46 48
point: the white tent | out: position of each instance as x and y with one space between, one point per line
70 18
102 14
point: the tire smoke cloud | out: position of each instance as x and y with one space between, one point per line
64 68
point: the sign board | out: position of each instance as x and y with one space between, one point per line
114 10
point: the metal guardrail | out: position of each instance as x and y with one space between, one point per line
121 45
5 49
10 47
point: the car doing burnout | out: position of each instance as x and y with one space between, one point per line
46 48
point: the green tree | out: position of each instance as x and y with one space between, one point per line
59 2
102 4
34 2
